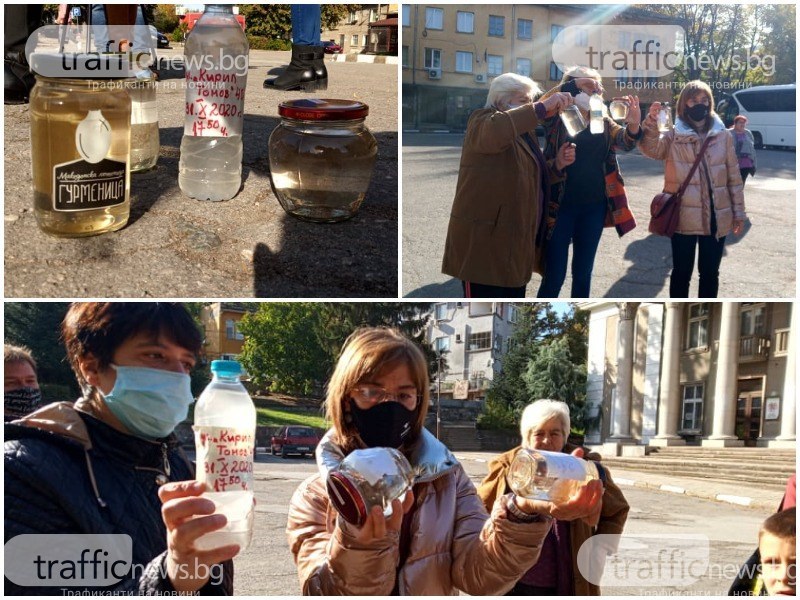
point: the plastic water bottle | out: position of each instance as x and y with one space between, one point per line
216 57
596 107
225 434
551 476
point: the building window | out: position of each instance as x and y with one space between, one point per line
465 22
373 15
406 15
232 331
697 327
405 56
524 29
440 312
354 40
463 62
581 38
434 18
498 343
622 75
442 344
524 66
555 73
692 407
753 319
513 313
497 25
433 58
554 31
781 342
479 341
494 65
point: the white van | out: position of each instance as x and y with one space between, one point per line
770 112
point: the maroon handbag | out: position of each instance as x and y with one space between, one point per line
665 209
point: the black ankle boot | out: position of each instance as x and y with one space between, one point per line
300 74
18 80
319 68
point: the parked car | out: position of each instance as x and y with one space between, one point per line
331 47
294 439
161 40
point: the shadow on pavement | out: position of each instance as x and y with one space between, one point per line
652 263
449 289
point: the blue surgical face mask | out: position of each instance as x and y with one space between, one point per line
149 402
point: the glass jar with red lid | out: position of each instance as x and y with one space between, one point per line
321 158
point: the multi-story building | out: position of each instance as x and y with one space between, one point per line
355 32
711 373
450 53
223 340
472 338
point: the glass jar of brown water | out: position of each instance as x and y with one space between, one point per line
321 158
144 122
80 152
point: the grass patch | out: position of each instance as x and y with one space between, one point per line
275 417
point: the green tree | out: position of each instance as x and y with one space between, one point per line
37 325
551 373
281 349
164 18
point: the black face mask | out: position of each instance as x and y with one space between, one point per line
697 113
386 425
22 402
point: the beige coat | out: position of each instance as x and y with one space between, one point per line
498 206
719 170
612 518
455 545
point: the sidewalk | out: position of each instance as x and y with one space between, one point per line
719 491
176 247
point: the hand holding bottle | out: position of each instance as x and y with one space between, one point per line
557 102
565 156
189 517
652 113
377 526
586 505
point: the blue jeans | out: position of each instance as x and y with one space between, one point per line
581 226
142 41
306 24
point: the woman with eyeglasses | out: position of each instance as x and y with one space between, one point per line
440 539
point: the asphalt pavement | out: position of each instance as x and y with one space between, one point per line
758 264
177 247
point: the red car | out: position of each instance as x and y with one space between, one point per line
331 47
294 439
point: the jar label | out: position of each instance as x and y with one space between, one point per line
214 102
79 185
225 457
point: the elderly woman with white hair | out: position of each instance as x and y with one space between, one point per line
545 425
503 181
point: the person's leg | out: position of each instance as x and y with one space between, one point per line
306 24
709 257
588 229
556 254
306 70
21 20
683 251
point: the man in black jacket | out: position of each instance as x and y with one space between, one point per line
110 463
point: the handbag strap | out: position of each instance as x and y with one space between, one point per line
694 166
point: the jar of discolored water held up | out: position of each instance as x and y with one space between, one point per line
321 158
80 148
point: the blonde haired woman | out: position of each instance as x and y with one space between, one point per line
495 230
545 425
713 204
440 539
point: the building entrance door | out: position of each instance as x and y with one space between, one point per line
748 417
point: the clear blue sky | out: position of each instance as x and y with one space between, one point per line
560 307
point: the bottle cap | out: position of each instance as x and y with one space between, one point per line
226 367
314 109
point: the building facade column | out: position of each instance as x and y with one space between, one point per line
622 406
788 437
725 383
669 397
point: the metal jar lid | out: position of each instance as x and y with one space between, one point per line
314 109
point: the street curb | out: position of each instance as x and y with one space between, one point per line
367 58
674 489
